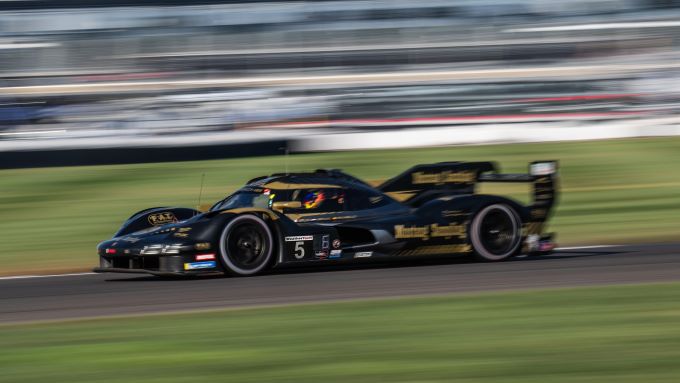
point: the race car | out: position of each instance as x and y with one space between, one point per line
330 217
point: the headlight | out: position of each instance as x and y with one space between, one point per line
161 249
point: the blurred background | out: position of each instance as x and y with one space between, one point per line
113 106
78 74
150 90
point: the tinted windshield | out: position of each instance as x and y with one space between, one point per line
245 199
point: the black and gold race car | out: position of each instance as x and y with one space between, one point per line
327 217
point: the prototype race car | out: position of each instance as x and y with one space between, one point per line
328 216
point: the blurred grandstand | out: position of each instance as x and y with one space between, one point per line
85 74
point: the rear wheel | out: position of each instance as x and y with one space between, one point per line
246 245
496 232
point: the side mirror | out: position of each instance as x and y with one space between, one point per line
283 205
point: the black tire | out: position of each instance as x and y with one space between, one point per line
495 233
246 246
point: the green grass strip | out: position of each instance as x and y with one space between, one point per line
617 191
603 334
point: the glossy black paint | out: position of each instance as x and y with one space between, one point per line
432 218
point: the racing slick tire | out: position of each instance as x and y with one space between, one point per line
246 246
495 233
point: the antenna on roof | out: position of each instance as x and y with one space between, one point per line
285 153
200 191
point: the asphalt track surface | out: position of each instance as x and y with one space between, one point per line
95 295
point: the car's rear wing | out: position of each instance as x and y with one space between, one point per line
421 183
543 176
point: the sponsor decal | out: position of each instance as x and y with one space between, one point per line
335 254
363 254
444 177
429 231
266 191
542 168
532 242
300 238
200 265
163 218
323 254
202 246
131 239
300 246
180 235
546 246
110 251
336 244
325 242
205 257
126 251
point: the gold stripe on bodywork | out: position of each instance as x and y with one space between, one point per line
401 196
437 249
242 210
310 217
287 186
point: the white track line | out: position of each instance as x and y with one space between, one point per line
81 274
586 247
44 276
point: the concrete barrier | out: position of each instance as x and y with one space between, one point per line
487 134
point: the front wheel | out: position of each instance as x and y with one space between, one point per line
246 245
495 233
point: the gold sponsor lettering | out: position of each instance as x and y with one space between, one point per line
447 231
429 231
401 231
163 218
202 246
444 177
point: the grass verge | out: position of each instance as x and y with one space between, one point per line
621 334
617 191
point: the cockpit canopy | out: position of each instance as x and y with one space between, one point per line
310 198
